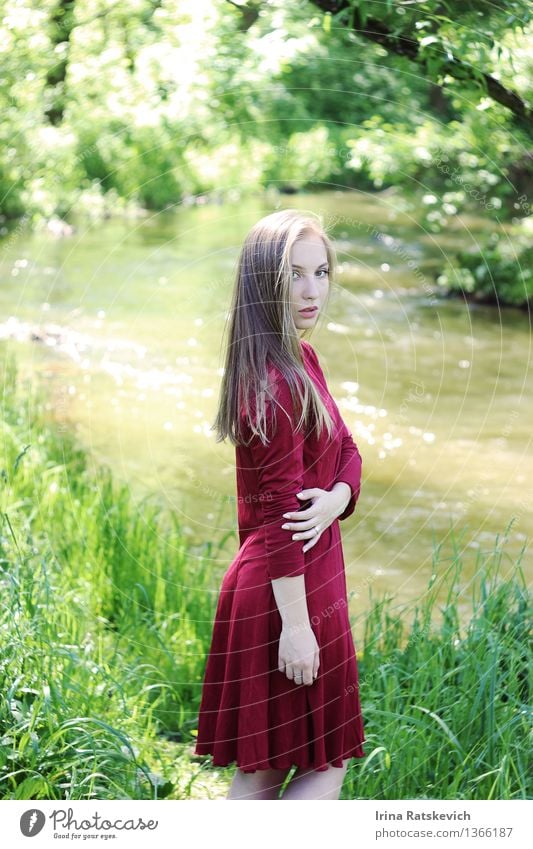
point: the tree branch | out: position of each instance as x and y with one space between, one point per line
402 45
249 12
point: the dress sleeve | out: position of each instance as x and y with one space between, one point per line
350 466
280 475
350 463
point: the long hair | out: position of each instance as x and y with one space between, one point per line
262 330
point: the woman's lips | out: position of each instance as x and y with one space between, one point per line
309 310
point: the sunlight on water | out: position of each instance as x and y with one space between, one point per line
437 394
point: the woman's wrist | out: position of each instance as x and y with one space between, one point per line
344 492
291 601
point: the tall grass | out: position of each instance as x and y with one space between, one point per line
105 616
105 621
448 708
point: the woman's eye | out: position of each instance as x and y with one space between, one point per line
324 271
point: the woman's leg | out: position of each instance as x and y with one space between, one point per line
261 784
310 784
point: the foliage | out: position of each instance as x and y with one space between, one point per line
503 270
448 708
455 44
105 619
105 622
148 104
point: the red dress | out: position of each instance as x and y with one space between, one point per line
250 712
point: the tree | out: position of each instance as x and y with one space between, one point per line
437 42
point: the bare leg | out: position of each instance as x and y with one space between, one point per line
261 784
311 784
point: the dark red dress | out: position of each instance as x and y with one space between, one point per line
250 712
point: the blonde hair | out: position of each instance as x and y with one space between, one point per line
261 329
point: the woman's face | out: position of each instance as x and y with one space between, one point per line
310 280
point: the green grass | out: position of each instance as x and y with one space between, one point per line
105 621
448 707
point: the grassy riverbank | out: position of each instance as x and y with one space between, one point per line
105 620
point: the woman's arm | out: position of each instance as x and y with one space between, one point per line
298 653
291 601
350 464
345 491
350 467
280 474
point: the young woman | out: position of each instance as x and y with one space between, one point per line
281 680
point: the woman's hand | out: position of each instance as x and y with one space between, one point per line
326 507
298 655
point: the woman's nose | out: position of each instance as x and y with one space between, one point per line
310 285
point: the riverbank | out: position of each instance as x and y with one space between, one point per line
105 622
491 266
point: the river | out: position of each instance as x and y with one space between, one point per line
130 315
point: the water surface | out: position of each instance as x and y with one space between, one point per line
437 393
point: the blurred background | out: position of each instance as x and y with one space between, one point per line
140 140
139 143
